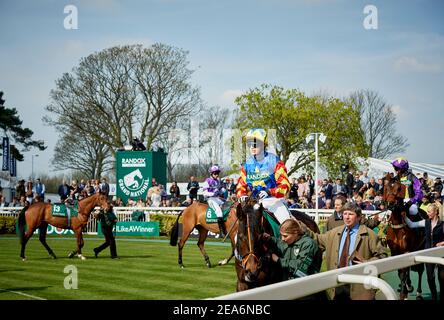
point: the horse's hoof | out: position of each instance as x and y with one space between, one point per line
419 297
23 258
181 266
223 262
81 257
53 257
410 289
208 264
71 255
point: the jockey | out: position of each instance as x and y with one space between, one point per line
413 193
264 174
213 192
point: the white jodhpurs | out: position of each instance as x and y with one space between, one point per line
278 207
215 203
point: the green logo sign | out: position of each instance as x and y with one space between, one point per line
134 228
134 171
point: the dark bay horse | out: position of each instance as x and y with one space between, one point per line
39 215
254 266
194 217
400 238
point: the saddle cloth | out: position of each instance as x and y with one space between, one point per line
210 214
60 210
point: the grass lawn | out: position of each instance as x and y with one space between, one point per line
147 269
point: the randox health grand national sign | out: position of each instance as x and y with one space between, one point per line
134 228
135 170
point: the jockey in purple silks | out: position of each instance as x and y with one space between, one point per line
213 193
413 192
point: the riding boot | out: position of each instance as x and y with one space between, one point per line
222 231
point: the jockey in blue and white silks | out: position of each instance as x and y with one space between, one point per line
265 175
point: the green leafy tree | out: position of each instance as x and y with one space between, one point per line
11 125
293 115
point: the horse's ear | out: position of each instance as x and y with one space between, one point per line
239 211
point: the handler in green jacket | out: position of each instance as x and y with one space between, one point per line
296 252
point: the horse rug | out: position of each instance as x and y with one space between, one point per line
210 214
61 210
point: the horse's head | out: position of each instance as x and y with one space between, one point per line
394 191
249 244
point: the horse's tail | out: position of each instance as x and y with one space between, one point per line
175 232
22 224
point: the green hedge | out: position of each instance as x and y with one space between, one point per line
7 225
166 222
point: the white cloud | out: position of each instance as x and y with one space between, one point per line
397 109
227 98
409 64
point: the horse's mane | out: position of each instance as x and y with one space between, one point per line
306 219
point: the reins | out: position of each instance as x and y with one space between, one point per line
250 245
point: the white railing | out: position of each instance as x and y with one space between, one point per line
125 214
365 273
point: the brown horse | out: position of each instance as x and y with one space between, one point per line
254 266
39 215
194 217
400 238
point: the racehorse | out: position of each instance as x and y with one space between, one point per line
254 266
400 238
39 215
194 216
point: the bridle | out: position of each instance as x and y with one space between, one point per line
244 258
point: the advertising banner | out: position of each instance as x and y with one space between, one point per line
134 173
5 165
134 228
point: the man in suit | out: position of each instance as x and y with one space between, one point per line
351 243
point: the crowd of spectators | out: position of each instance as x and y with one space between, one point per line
358 188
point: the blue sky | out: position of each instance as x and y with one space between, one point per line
236 45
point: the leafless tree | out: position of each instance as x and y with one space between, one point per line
378 122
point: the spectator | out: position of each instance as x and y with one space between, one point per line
29 191
64 191
364 177
40 190
294 190
349 183
153 182
175 191
328 189
434 237
341 251
335 220
14 203
358 185
303 188
311 186
193 187
96 185
20 190
104 187
231 187
339 189
437 187
3 203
